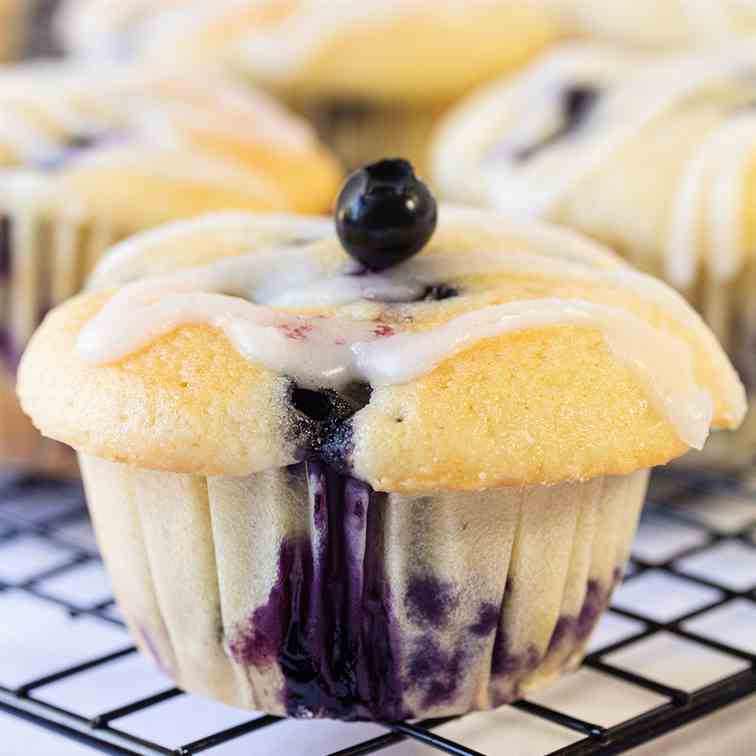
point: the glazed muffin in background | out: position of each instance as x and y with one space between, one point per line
661 25
92 154
324 484
373 76
653 156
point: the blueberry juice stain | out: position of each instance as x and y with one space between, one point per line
328 622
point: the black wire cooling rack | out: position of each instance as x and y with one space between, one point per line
672 493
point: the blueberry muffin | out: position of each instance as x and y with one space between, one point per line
373 75
324 466
653 156
92 155
655 24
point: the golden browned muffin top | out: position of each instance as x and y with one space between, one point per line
502 354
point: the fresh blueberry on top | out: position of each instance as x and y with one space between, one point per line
385 214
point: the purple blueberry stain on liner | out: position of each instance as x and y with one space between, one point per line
430 601
487 620
435 672
330 624
595 602
503 662
564 628
579 627
334 639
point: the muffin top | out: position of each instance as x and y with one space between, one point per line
416 50
502 354
651 155
651 23
107 142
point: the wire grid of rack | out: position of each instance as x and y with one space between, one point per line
671 493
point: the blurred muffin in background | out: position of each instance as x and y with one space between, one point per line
373 75
654 156
655 23
91 155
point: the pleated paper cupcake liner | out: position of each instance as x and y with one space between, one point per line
302 592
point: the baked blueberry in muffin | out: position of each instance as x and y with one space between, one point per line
322 491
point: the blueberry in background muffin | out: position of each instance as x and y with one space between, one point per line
324 485
373 76
91 154
653 156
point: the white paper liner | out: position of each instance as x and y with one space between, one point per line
301 592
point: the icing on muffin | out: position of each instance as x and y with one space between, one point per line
313 354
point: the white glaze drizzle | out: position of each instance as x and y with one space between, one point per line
290 276
333 351
713 184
